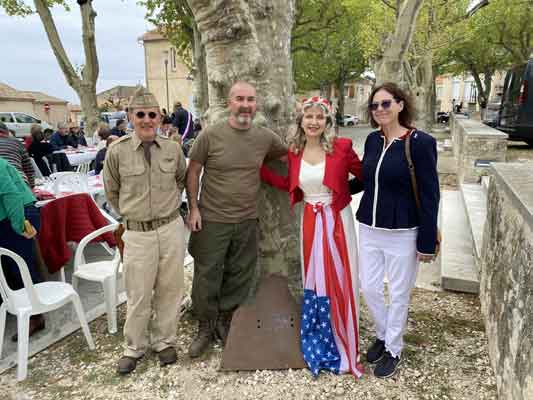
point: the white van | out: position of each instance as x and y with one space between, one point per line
21 123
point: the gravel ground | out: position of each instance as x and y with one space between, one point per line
445 358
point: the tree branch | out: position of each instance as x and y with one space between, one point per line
55 42
386 2
90 69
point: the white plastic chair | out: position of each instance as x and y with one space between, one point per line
71 181
84 168
105 272
31 300
36 170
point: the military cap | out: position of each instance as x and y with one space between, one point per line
143 99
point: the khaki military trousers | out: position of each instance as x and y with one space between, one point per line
153 275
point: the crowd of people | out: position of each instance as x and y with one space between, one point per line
145 171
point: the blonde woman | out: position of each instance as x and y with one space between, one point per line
319 164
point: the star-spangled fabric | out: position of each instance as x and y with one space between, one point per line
317 341
329 333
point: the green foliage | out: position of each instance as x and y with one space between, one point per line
508 25
496 37
374 29
175 21
326 43
21 9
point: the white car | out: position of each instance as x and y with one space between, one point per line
350 120
21 123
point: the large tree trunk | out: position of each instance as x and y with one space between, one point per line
483 89
250 40
84 86
200 88
340 89
390 66
423 93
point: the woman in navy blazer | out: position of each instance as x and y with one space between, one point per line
319 164
394 235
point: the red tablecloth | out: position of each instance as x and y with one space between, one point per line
68 219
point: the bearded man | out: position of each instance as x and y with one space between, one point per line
224 222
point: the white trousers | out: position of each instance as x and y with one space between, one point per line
392 252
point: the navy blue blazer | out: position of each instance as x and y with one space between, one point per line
388 200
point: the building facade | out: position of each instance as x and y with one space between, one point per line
456 89
115 99
167 77
37 104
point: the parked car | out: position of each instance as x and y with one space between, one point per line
516 111
21 123
111 118
350 120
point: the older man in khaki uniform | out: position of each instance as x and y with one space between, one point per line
144 177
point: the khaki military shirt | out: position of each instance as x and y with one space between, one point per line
140 191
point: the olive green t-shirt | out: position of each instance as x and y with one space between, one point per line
232 159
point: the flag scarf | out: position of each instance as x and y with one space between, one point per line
329 332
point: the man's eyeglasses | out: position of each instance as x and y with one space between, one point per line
385 104
142 114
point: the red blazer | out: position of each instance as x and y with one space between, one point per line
339 163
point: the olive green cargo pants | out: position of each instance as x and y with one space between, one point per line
225 258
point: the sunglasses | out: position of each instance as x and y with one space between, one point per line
385 104
142 114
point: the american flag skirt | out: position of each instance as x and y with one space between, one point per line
329 332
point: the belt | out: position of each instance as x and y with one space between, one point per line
146 226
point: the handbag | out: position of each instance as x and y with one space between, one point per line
415 186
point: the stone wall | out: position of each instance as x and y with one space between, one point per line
506 288
473 144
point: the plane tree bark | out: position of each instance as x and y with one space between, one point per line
251 41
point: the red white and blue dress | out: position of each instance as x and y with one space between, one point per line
330 309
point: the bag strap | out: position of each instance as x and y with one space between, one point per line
412 170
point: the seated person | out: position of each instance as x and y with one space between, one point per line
120 128
39 149
100 156
102 133
19 222
48 134
77 137
61 139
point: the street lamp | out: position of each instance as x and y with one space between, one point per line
166 77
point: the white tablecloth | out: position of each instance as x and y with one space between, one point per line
94 183
80 156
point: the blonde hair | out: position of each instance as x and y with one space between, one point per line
296 139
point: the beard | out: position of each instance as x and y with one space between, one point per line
244 119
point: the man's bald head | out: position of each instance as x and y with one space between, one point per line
240 85
242 104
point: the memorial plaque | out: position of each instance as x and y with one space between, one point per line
265 334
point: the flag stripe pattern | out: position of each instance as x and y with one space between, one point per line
329 332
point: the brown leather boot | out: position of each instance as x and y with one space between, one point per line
203 339
127 364
223 325
167 356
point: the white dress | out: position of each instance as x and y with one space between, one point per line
318 221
